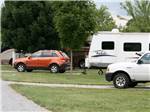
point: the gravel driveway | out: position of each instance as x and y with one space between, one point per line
13 101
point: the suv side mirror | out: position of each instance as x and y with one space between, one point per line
139 62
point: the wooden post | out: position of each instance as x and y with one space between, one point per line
13 57
71 63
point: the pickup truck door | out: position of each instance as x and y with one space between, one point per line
141 71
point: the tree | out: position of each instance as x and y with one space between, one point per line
139 10
28 25
104 20
74 22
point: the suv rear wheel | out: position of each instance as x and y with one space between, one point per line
54 68
121 80
21 67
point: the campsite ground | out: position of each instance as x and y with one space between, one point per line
66 99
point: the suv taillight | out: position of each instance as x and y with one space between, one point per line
62 58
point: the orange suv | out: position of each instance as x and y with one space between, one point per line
55 61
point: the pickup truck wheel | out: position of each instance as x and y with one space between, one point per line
133 84
54 68
121 80
21 67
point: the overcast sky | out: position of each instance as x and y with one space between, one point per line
113 6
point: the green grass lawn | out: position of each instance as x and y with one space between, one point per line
7 68
87 100
76 77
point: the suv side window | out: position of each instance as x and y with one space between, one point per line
49 54
54 54
146 58
37 54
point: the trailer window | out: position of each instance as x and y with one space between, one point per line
108 45
132 46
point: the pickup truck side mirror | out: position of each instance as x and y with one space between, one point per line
139 62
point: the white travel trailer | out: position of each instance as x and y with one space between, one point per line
111 47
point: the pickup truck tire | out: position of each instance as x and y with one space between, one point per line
121 80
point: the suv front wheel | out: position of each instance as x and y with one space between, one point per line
121 80
21 67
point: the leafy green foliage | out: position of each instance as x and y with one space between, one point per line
28 26
74 21
35 25
104 20
140 12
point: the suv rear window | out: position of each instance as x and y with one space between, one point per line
63 54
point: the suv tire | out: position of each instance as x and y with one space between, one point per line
54 68
121 80
29 70
21 67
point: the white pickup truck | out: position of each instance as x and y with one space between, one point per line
129 74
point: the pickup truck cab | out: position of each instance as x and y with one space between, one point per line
129 74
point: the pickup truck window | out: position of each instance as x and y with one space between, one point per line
146 58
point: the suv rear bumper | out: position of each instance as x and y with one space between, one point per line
108 76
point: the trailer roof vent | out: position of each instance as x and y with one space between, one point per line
115 31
